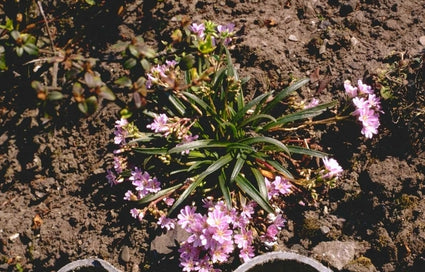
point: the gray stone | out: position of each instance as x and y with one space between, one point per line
422 40
338 254
165 243
293 38
125 254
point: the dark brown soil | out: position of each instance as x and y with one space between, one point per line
56 205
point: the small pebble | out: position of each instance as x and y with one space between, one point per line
293 38
13 236
422 40
125 254
325 229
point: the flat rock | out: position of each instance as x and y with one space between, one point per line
165 243
338 254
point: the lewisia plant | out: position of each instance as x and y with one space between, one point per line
208 160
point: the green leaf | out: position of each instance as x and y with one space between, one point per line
19 51
237 168
207 46
220 163
147 51
241 113
280 168
256 118
77 89
106 93
268 140
91 2
151 150
124 81
164 192
54 95
302 114
187 62
92 81
91 103
250 190
30 48
130 63
178 105
82 106
306 151
133 51
225 189
231 69
145 64
198 164
15 34
196 100
284 93
198 144
261 183
3 64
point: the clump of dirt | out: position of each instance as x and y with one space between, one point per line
56 205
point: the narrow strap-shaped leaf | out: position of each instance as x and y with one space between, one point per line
164 192
221 162
306 151
280 169
207 143
225 189
230 67
250 190
237 168
151 150
257 117
240 146
302 114
284 93
268 140
178 105
241 113
218 78
261 183
197 164
193 98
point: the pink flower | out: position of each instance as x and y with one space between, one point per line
349 89
187 139
129 195
112 179
272 232
244 239
374 102
138 214
313 103
364 88
166 223
169 201
120 163
186 217
159 124
370 122
332 167
222 235
218 219
282 185
198 29
247 253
